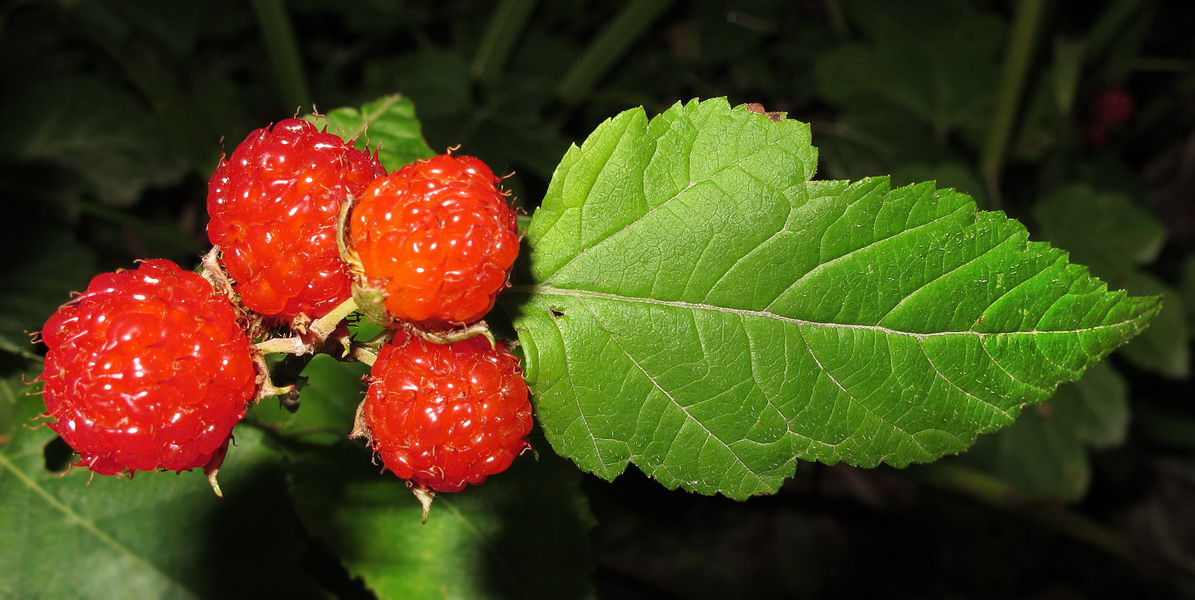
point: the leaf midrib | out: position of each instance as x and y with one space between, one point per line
547 290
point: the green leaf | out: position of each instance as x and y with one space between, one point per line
387 124
10 390
1044 453
1115 237
1188 291
1105 230
695 305
19 348
944 80
945 175
1163 347
159 535
94 129
521 535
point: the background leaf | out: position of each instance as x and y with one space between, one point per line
159 535
695 305
92 129
521 535
1044 453
905 85
1116 238
387 125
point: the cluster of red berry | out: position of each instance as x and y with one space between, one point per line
151 368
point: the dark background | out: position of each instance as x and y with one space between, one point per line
115 112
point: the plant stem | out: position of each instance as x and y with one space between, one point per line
998 493
284 52
1008 98
615 39
499 38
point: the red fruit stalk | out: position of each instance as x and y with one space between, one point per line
274 206
148 369
436 239
445 415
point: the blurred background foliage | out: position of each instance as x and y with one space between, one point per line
1076 117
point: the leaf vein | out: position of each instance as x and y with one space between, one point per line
822 266
581 294
582 251
685 410
78 519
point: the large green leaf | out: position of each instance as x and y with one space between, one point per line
1115 238
159 535
520 535
694 304
387 124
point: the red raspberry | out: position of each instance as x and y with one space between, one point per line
274 207
437 238
147 370
443 415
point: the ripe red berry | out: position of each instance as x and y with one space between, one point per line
444 415
274 206
437 239
148 369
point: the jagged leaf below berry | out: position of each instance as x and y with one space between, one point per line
1115 237
159 535
387 124
695 305
327 405
1044 453
522 534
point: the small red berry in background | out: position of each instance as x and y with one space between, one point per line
148 369
437 239
1110 111
445 415
274 206
1113 108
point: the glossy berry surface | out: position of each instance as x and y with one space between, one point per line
445 415
437 240
147 370
274 206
